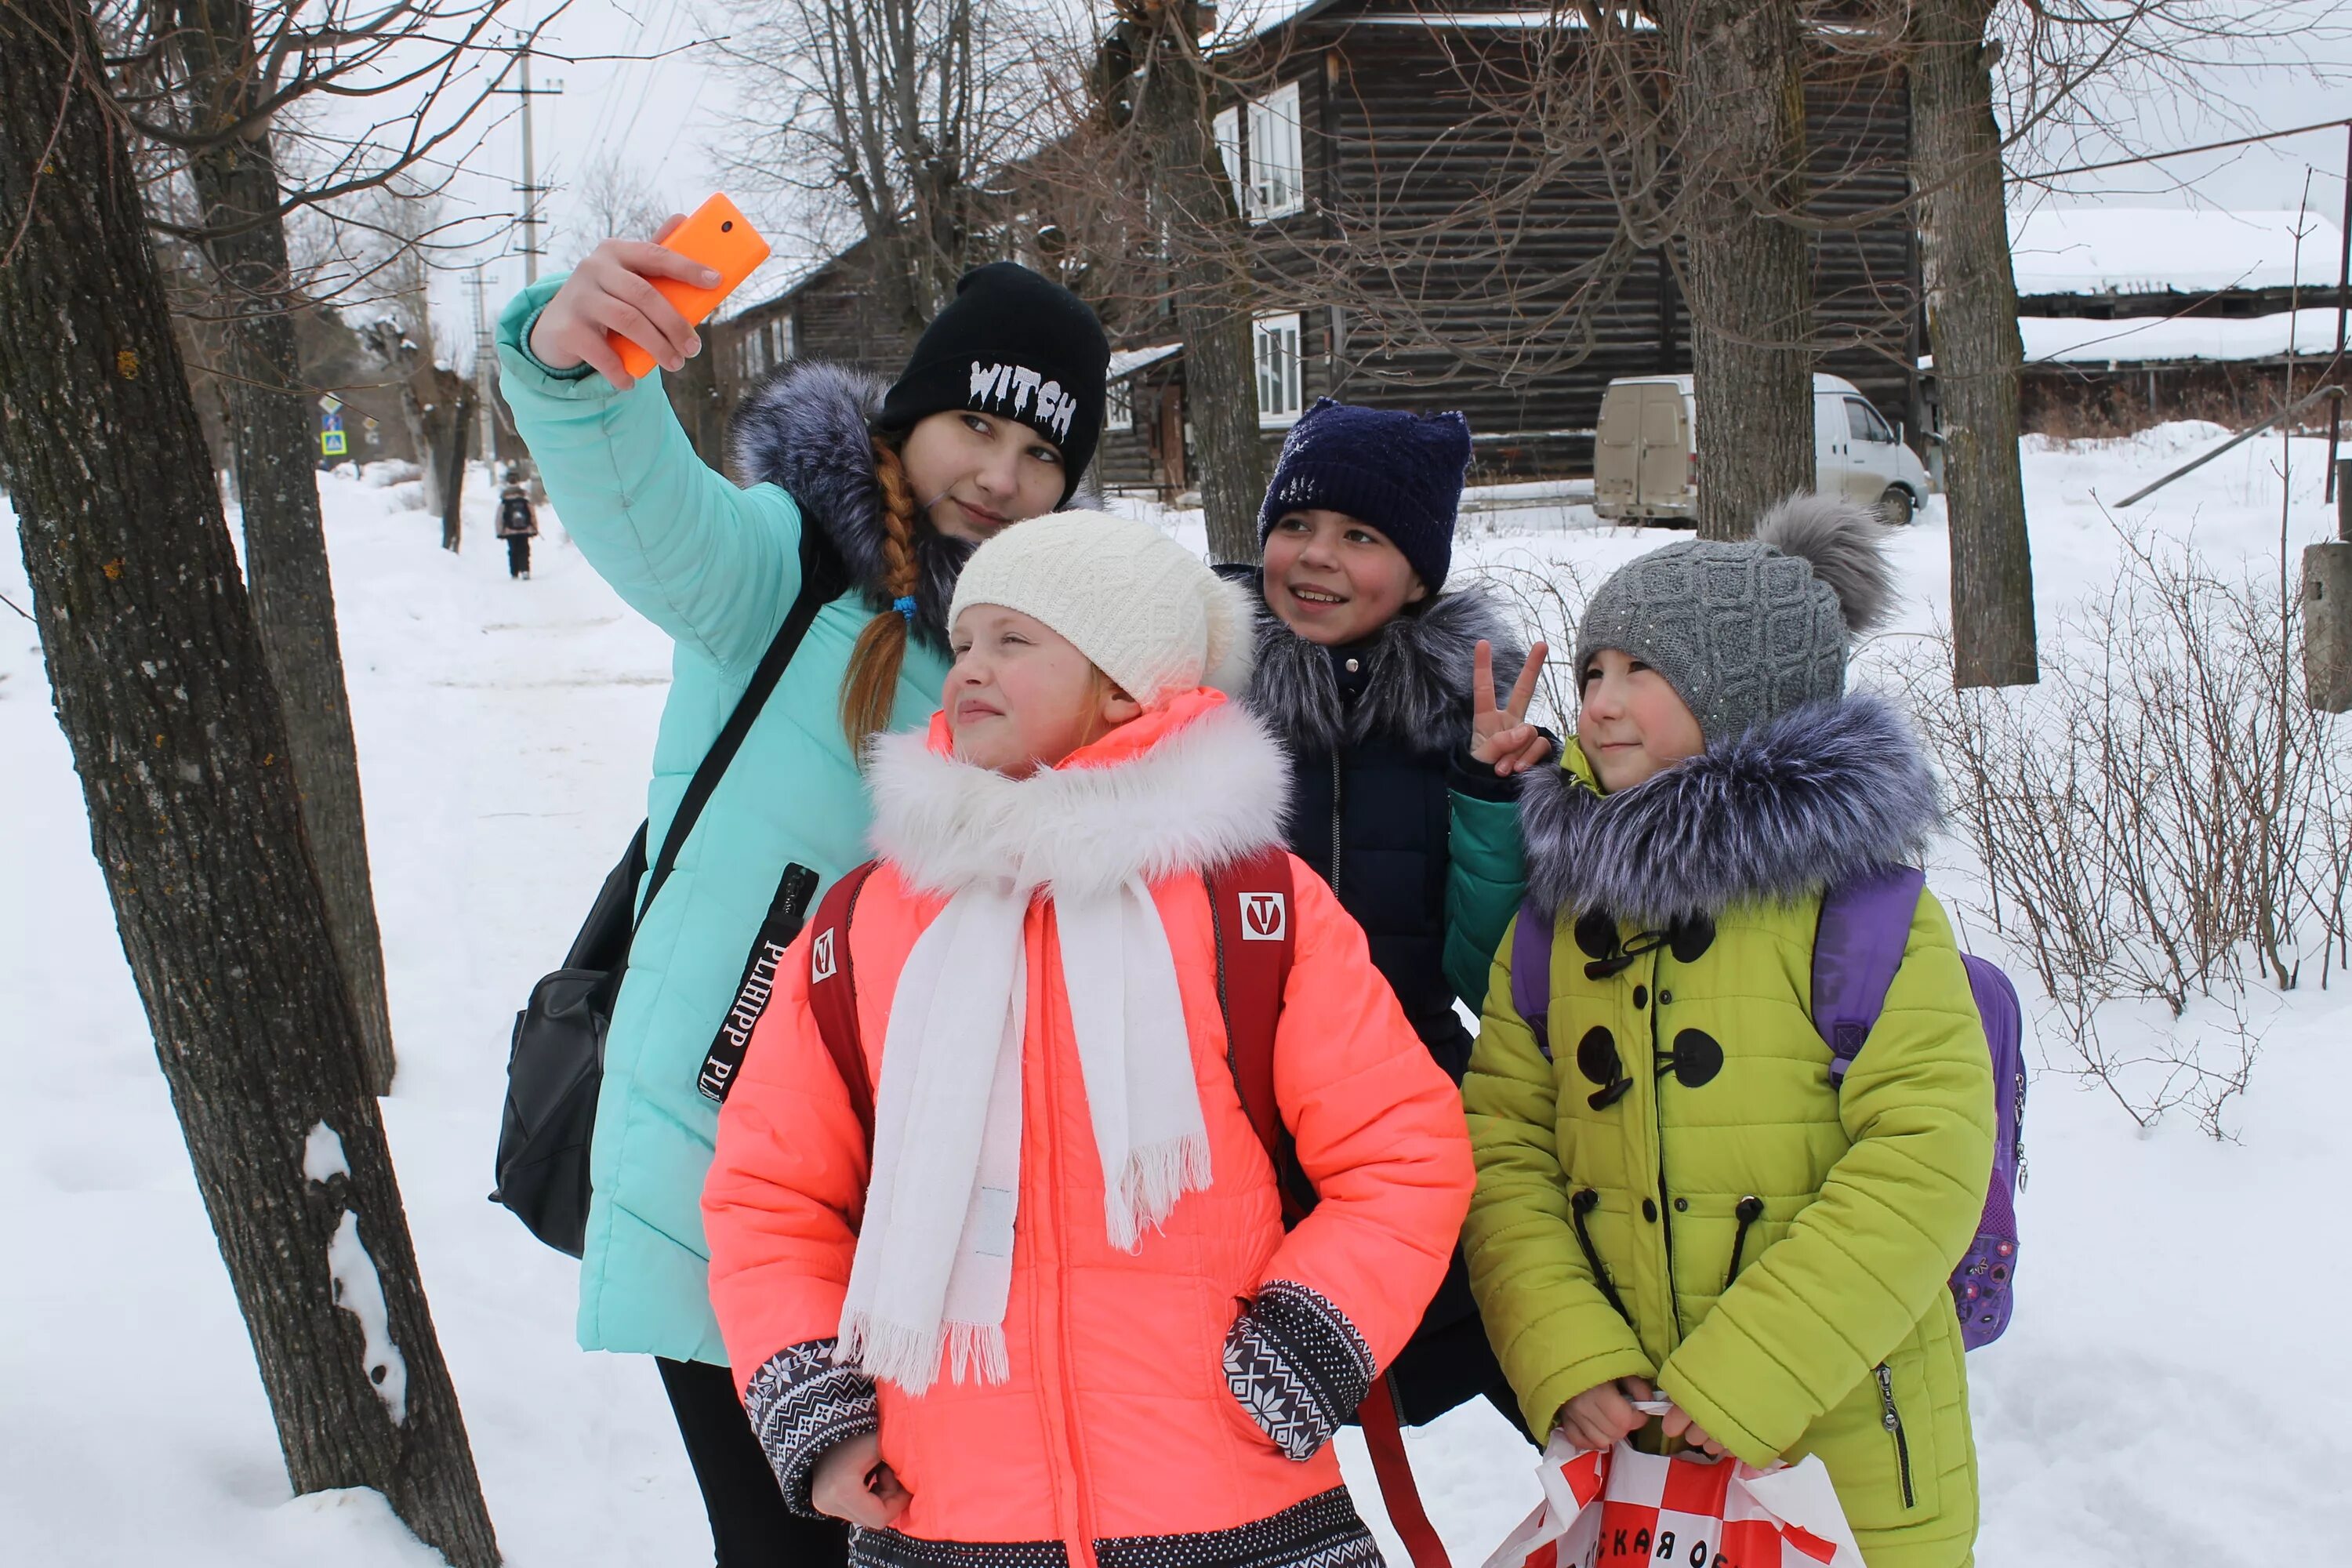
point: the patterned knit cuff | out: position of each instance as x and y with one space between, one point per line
1297 1365
801 1405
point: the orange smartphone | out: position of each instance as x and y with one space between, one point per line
718 236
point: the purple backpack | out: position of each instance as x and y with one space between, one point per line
1856 950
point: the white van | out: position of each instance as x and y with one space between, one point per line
1645 463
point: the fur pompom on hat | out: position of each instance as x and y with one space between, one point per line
1748 630
1144 610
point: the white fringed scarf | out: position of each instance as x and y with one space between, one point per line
934 1266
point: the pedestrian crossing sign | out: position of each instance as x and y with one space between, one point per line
331 443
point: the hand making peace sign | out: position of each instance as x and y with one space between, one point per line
1501 737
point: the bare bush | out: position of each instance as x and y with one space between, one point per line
2164 821
1546 598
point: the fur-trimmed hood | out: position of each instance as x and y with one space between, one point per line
1417 679
1794 804
808 430
1211 790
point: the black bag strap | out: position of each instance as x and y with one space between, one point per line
816 590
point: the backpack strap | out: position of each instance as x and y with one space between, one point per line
1858 946
1531 973
833 993
816 589
1250 902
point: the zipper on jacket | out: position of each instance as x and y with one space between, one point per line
1583 1204
1082 1550
1665 1203
1335 821
1892 1421
1750 1210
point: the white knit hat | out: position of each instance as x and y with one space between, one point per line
1144 610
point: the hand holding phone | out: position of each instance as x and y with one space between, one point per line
721 238
632 303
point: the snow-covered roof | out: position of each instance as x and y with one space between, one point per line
2154 250
1127 362
2135 340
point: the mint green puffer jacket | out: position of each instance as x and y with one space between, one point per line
716 566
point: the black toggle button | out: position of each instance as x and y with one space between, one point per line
1596 1055
1691 939
1650 1210
1641 995
1604 1098
1596 933
1694 1060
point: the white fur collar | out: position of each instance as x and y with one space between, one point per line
1212 792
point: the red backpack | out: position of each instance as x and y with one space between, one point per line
1252 903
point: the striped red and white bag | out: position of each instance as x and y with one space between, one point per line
1623 1508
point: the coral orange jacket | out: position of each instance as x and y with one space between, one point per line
1122 1422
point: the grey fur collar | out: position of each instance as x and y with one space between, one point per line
1416 687
1809 799
808 430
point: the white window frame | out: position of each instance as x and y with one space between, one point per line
1277 156
1118 405
1269 170
1281 370
1227 124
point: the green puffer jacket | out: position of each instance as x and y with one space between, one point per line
1679 1193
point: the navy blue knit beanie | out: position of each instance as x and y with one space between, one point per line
1400 472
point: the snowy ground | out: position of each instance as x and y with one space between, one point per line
2174 1392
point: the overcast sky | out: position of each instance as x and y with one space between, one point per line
663 116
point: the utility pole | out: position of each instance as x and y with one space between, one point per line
531 189
485 373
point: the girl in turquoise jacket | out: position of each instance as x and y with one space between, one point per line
882 490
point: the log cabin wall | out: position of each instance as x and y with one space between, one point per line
1402 125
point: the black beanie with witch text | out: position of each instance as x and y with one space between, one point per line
1016 345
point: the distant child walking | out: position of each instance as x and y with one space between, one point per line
1675 1198
1404 768
517 525
1051 1313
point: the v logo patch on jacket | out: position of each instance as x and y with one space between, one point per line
1265 917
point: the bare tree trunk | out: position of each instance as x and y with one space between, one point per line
1210 281
163 688
1972 295
460 431
1739 118
285 567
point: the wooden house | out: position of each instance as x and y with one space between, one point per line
1389 118
2131 316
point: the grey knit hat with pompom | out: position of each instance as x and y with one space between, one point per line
1745 631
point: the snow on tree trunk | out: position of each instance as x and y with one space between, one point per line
272 428
1971 293
1739 113
162 689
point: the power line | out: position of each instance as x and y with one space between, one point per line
2186 152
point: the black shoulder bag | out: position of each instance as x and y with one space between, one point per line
555 1062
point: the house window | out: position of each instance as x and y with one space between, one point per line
1280 395
1228 126
1268 171
1118 405
780 339
1277 161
